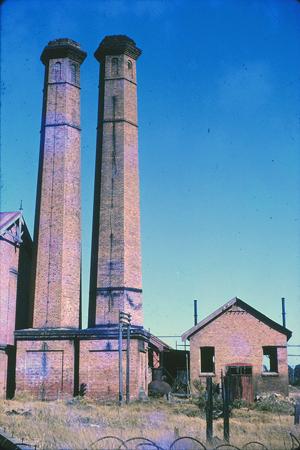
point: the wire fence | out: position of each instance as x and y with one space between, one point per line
111 442
180 443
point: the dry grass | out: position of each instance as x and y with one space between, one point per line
76 424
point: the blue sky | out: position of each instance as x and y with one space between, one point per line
219 140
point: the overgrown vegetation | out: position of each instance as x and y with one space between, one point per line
79 422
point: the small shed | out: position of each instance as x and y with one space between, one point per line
241 342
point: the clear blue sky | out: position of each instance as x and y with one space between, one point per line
219 141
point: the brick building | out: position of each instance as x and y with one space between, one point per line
15 307
244 343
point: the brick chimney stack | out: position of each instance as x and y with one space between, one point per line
57 222
116 253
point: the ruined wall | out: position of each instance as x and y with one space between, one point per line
238 337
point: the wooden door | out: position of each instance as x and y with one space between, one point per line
240 383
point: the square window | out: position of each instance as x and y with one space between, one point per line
270 361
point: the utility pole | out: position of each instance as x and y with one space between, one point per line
128 361
124 319
120 362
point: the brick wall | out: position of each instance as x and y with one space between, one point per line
9 257
3 373
45 368
99 368
15 304
238 337
116 258
57 231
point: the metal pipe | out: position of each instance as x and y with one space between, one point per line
120 364
195 312
283 311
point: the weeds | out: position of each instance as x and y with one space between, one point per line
78 422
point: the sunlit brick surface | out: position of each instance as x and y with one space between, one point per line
9 257
238 337
99 368
45 369
116 262
3 373
57 285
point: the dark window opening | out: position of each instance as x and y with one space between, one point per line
114 66
129 65
207 357
270 362
73 73
150 358
141 346
57 71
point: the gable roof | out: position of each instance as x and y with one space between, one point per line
7 219
238 302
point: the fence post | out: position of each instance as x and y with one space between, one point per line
297 412
225 397
209 410
128 362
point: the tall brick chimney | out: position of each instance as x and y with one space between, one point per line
116 254
57 222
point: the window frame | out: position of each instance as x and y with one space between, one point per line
210 363
272 352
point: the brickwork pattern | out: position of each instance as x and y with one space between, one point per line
99 368
57 284
238 337
117 209
45 369
3 373
9 257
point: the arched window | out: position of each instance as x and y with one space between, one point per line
115 66
130 70
73 73
57 71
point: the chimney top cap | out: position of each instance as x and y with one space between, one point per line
117 44
63 48
63 41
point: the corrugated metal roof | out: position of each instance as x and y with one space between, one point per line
236 301
7 219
